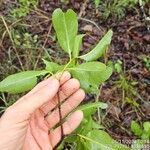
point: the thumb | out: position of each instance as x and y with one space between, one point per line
25 106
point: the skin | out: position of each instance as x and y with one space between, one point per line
29 124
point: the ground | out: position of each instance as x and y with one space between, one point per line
130 44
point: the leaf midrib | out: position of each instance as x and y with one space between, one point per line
91 106
11 83
79 69
89 139
66 33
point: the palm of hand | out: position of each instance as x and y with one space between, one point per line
30 123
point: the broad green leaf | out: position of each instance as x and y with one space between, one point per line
90 75
90 108
100 48
81 144
87 125
66 26
71 138
100 140
20 82
77 45
136 128
106 74
51 66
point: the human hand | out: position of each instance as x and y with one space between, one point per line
28 125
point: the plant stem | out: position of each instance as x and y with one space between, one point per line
60 115
97 99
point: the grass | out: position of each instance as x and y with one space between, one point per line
118 8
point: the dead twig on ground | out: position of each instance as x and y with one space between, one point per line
92 22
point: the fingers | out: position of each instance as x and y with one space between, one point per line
67 89
28 104
69 126
30 142
65 76
71 103
39 130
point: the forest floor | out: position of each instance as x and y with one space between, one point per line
127 93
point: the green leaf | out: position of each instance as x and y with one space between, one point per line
100 48
87 125
66 26
100 140
97 2
138 144
146 133
90 108
91 75
146 126
81 145
20 82
145 136
77 45
106 74
51 66
71 139
136 128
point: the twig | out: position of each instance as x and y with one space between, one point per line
60 122
92 22
40 14
9 33
97 99
43 47
60 116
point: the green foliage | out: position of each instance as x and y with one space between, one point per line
24 40
117 8
90 74
97 2
77 45
51 66
118 66
142 132
90 108
127 86
90 77
147 63
100 48
136 128
99 139
66 27
20 82
24 8
90 135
